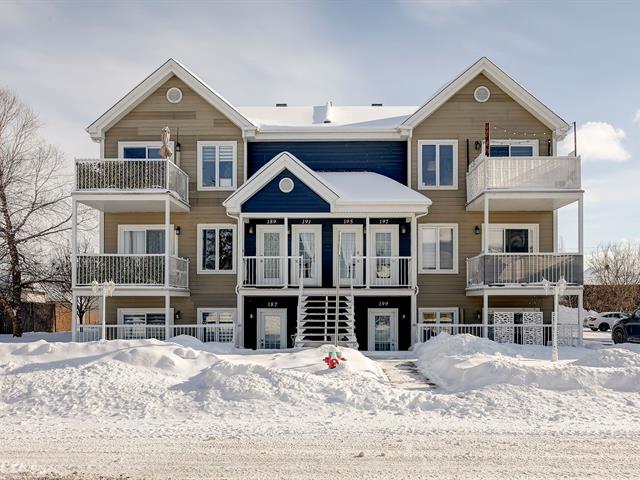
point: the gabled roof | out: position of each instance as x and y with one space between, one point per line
344 191
502 80
151 83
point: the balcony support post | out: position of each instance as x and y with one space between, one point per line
74 262
237 328
74 317
580 226
367 257
485 314
168 321
167 297
580 318
485 226
286 252
413 276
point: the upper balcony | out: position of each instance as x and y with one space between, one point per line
523 183
111 185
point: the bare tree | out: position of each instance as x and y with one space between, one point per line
34 208
615 270
61 266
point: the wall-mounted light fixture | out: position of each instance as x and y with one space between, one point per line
178 147
178 230
177 316
251 229
476 229
403 229
478 144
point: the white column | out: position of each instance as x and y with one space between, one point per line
167 297
286 252
485 314
555 231
485 226
580 318
74 260
237 330
414 279
74 317
367 251
580 226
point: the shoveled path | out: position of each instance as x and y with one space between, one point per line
402 371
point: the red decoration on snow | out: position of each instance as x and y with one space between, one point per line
333 359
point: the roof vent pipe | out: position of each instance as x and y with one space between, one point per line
281 104
376 104
328 114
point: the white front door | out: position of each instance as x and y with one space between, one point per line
383 255
306 242
272 328
347 244
383 329
271 252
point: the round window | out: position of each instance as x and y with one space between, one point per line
174 95
286 185
481 94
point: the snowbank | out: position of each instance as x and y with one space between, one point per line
462 363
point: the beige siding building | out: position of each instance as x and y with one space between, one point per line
275 227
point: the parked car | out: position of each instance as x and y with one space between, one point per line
627 329
604 321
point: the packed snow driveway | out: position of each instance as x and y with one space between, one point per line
152 409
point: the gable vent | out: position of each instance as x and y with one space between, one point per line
481 94
174 95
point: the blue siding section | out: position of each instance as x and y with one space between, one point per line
387 158
327 240
271 199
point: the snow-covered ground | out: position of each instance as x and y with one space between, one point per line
184 409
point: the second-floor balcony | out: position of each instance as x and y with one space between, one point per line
132 270
523 269
131 176
523 183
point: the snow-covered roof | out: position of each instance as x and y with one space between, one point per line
370 187
365 117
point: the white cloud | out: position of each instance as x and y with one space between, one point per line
598 141
636 118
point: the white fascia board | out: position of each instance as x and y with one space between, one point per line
375 208
283 161
151 83
328 135
502 80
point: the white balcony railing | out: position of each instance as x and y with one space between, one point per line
132 270
495 269
522 173
382 271
131 175
223 333
271 271
516 333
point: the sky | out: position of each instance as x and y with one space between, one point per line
71 61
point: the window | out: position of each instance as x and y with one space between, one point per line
438 315
143 323
216 244
439 248
219 324
438 164
144 239
513 148
513 238
217 165
141 150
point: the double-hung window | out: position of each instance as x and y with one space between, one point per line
438 248
438 164
439 316
216 248
218 324
217 165
513 148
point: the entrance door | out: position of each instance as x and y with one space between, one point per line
272 328
271 252
383 329
306 242
383 255
347 244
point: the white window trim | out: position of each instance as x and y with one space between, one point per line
438 271
533 227
211 143
138 228
455 164
153 144
217 226
202 310
125 311
515 142
437 311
